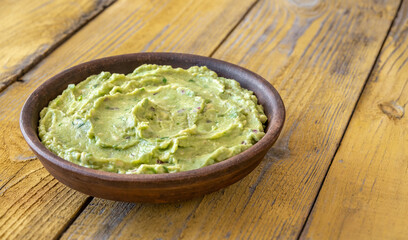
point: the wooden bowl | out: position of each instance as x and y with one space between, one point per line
156 188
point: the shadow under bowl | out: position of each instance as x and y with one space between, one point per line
156 188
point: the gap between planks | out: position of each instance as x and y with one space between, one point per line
351 116
39 58
233 28
69 223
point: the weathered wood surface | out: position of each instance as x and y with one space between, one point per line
365 195
33 204
318 54
29 29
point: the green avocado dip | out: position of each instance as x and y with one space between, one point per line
157 119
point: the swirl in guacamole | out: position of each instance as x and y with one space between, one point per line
157 119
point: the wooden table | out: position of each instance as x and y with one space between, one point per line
338 171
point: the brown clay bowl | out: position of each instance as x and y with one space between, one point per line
156 188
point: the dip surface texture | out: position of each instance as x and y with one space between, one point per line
155 120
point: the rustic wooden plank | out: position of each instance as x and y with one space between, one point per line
319 56
365 194
112 219
33 204
30 29
22 177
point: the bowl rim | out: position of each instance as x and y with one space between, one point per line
278 117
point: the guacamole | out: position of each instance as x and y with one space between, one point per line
157 119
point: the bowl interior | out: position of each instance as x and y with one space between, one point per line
266 94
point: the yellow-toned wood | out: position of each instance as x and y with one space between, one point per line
318 54
365 195
33 204
29 29
130 221
26 188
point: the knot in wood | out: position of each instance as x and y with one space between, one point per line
392 109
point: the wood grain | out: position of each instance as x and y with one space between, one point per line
30 29
114 220
319 55
22 177
30 197
365 194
